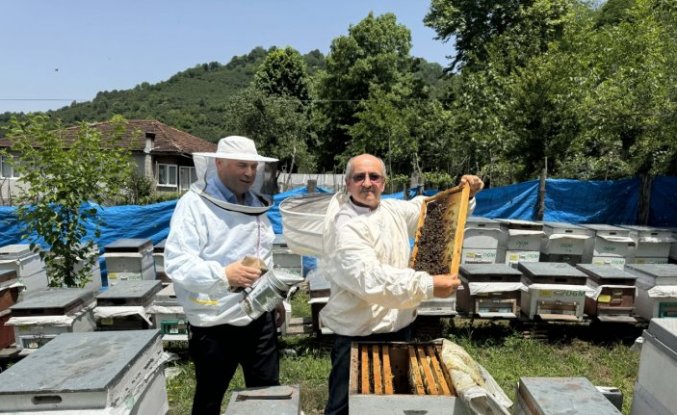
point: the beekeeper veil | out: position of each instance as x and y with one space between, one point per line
232 178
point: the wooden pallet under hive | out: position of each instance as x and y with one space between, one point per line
439 235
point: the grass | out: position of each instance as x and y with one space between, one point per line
508 351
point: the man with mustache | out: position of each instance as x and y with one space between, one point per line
374 293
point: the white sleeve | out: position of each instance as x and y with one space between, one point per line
183 264
377 283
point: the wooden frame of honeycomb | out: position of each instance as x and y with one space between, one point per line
439 234
398 368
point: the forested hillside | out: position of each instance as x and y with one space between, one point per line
585 89
192 100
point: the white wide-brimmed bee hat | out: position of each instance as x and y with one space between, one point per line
208 182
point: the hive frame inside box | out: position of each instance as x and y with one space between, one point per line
459 206
393 400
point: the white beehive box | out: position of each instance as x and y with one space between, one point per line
658 362
129 259
656 289
43 314
611 245
116 372
521 241
124 305
480 241
564 242
555 291
29 267
653 244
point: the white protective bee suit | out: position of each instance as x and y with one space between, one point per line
366 260
209 231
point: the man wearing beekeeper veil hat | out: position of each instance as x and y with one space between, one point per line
215 225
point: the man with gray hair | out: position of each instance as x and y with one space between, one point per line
374 293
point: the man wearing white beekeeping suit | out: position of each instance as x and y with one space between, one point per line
374 293
216 224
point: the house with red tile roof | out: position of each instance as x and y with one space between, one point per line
161 153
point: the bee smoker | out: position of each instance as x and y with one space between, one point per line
268 292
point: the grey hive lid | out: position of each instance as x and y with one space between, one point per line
129 245
77 362
480 219
489 269
560 395
14 251
665 330
605 271
562 225
608 228
655 270
639 228
549 269
131 289
55 301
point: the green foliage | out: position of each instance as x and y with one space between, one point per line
279 125
283 73
371 62
138 188
66 176
476 24
438 180
596 102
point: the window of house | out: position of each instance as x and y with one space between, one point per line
166 175
187 176
6 169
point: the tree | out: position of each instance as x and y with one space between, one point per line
66 175
279 125
283 73
371 62
475 24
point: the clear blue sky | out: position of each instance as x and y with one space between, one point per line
54 52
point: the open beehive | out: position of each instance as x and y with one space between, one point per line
439 236
399 368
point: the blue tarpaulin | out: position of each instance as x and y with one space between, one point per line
663 204
573 201
613 202
516 201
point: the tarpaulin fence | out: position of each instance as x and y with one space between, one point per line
574 201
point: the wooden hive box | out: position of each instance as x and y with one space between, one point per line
439 235
389 378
